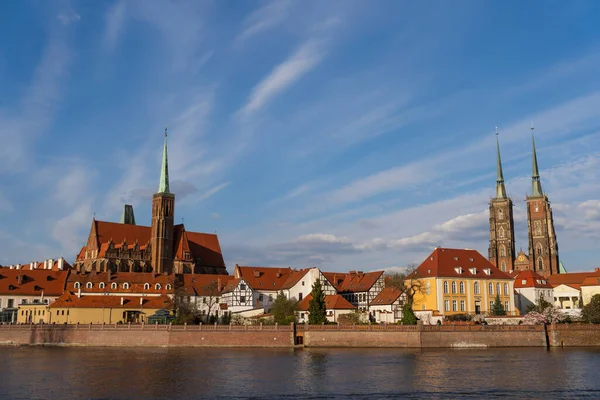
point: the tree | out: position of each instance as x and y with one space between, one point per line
407 281
408 316
317 312
497 307
183 309
550 315
541 305
351 318
591 311
283 310
210 299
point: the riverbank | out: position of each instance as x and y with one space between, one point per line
289 336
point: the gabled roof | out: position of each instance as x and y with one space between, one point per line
205 284
387 296
269 278
529 279
231 284
353 281
591 281
573 279
70 300
136 281
449 263
32 282
332 302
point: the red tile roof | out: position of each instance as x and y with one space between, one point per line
387 296
267 278
70 300
353 281
40 266
135 280
332 302
573 279
532 280
445 262
32 282
205 284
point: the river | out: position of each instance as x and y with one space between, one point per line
157 373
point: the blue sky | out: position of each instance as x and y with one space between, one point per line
342 134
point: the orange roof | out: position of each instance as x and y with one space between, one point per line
591 281
231 284
573 279
135 280
37 265
268 278
32 282
70 300
205 284
387 296
332 302
450 262
529 279
353 281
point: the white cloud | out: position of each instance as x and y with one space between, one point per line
68 17
213 190
266 17
115 21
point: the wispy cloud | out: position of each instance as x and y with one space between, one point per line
264 18
115 23
68 17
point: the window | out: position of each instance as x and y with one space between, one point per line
260 297
537 226
506 306
491 305
114 285
62 312
458 270
462 288
503 266
476 287
299 296
445 286
506 289
502 251
473 271
146 286
487 271
498 288
540 264
446 305
89 285
501 233
462 305
500 215
126 286
242 287
539 249
453 287
157 286
537 208
428 288
102 285
302 283
270 297
168 287
243 299
77 285
454 305
491 288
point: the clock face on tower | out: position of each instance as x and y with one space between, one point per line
521 257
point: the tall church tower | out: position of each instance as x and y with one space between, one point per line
543 248
502 227
163 210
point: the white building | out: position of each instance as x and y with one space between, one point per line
359 288
530 288
387 306
335 305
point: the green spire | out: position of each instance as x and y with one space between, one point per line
536 184
500 189
163 187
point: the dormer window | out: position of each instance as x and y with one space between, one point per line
77 285
146 286
102 285
157 286
455 258
473 271
487 271
523 281
89 285
126 285
168 287
458 270
470 259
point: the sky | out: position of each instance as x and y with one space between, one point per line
347 135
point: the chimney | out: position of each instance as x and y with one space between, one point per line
218 284
360 273
122 301
34 265
335 279
79 293
61 263
18 266
352 272
20 279
11 267
141 301
50 263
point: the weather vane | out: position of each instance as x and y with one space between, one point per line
165 131
496 131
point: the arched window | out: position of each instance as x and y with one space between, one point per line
77 285
502 251
157 286
491 288
89 285
476 287
506 289
462 288
146 286
501 233
453 287
102 285
427 288
114 285
500 215
537 208
498 288
540 264
168 287
445 287
538 249
126 285
503 266
537 226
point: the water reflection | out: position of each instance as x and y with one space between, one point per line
58 373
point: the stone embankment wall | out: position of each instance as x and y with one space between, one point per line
393 336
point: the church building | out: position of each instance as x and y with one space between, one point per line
542 256
162 248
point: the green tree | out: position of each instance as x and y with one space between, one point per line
408 316
283 310
498 308
591 311
317 313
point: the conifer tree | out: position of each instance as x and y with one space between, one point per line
498 308
317 313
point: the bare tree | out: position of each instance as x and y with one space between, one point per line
408 282
210 298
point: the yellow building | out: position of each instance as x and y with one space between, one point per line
454 281
73 309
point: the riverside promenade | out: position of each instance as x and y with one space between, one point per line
294 336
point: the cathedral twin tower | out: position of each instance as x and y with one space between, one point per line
543 248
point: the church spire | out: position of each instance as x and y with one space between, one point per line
536 185
500 189
163 187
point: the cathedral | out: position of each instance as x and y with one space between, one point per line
162 248
542 254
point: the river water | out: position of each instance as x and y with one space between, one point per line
116 373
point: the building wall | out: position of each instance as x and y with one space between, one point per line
587 292
526 297
502 234
566 297
60 315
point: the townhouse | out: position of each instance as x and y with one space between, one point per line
387 306
358 287
530 289
335 305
